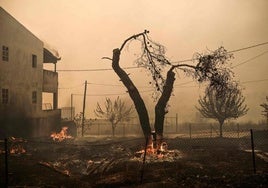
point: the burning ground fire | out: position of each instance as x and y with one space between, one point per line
118 155
16 146
158 155
62 135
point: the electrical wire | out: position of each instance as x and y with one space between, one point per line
92 70
244 62
248 60
251 81
180 61
248 47
151 90
71 87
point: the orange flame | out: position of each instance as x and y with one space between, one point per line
17 149
16 145
61 135
152 151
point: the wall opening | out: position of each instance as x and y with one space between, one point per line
47 101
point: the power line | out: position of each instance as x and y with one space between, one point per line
71 87
248 60
111 94
92 70
180 61
185 83
248 47
90 83
151 90
244 62
100 84
251 81
177 85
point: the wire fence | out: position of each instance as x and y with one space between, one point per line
102 127
191 139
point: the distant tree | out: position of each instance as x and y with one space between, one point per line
265 110
222 104
78 122
205 67
114 111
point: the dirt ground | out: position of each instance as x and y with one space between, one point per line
107 162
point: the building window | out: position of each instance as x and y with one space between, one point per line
34 61
34 97
4 96
4 53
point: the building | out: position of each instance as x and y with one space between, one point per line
23 82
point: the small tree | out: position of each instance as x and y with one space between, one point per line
265 111
114 112
223 104
78 122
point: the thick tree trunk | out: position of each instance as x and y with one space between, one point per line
134 95
160 108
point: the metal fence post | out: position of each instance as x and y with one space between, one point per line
238 130
124 129
210 130
253 152
190 130
98 129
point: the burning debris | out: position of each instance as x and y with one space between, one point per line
158 155
16 146
62 135
17 149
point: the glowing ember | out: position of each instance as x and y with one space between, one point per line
18 149
16 146
62 135
158 155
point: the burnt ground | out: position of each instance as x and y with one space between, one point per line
105 162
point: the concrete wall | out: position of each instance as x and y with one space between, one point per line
17 75
41 126
50 81
21 116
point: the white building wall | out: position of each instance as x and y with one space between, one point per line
17 74
21 117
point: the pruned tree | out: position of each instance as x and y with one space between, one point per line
265 110
114 111
222 104
207 67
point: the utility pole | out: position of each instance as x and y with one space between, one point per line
72 107
84 106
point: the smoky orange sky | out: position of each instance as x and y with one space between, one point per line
85 31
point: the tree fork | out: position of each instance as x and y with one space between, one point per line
134 95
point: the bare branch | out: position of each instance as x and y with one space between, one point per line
107 58
132 37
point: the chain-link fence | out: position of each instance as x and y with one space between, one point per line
201 153
131 127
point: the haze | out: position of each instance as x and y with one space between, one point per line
85 31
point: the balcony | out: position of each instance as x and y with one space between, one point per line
50 81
